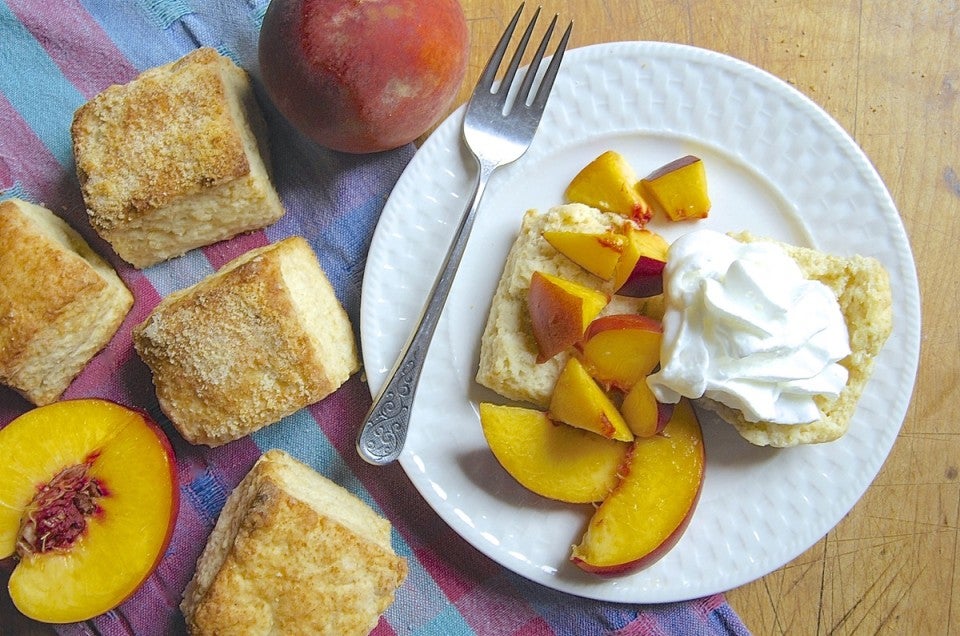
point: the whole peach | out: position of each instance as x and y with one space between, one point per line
363 75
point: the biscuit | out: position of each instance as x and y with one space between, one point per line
258 340
862 287
293 553
175 159
60 303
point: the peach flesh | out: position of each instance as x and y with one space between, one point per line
640 243
550 459
596 253
610 183
620 350
111 472
648 511
679 189
579 401
560 311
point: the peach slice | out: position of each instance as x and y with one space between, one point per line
620 350
643 413
579 401
678 189
648 511
88 501
609 183
639 273
645 279
553 460
560 311
596 253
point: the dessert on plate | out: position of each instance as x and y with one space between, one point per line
606 333
856 287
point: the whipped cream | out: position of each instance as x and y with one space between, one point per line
743 327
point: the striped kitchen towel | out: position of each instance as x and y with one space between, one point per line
56 55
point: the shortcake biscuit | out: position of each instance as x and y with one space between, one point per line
258 340
175 159
60 302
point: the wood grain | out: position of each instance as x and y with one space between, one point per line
888 73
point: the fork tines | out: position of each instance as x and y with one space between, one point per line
525 90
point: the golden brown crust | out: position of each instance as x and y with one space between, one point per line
172 160
862 287
279 563
167 134
39 280
235 352
60 303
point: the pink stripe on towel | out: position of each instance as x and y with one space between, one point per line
76 43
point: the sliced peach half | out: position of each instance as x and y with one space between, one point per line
609 183
553 460
648 511
598 253
579 401
560 311
678 189
620 350
88 501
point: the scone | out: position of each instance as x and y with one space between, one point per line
258 340
60 303
508 351
293 553
174 160
862 287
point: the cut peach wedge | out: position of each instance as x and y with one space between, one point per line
88 501
678 189
560 311
598 253
579 401
609 183
648 511
620 350
553 460
643 413
639 272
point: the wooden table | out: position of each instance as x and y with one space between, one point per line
887 72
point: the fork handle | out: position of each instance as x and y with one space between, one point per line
384 429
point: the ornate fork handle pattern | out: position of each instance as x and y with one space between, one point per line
383 437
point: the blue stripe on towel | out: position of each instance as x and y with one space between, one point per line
166 12
43 97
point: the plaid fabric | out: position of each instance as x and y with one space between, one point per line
56 55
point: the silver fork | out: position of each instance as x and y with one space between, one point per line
498 126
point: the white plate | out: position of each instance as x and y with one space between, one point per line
777 165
